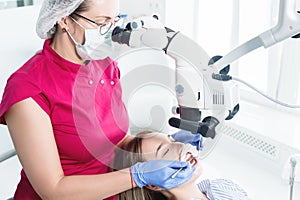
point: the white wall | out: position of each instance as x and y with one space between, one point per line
143 7
18 42
18 39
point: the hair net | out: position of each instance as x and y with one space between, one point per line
51 12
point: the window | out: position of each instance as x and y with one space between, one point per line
275 70
6 4
254 19
208 22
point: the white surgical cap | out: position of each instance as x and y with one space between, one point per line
51 12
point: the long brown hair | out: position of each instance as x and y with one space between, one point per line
128 156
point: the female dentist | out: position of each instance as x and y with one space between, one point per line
65 115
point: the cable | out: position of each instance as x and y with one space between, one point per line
266 96
7 155
225 77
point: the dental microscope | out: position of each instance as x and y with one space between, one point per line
196 90
203 83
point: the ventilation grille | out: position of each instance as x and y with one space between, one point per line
218 98
250 140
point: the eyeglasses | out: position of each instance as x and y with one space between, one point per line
103 27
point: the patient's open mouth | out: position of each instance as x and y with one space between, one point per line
191 159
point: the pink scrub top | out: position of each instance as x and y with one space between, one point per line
84 103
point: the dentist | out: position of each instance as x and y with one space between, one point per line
65 114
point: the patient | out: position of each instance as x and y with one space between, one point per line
149 145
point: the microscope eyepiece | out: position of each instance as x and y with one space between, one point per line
121 35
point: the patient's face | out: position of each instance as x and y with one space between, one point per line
161 147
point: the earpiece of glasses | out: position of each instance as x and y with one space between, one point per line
103 27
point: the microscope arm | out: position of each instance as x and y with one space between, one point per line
288 25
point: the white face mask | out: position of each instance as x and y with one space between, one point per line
96 46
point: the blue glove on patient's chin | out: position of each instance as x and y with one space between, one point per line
183 136
158 173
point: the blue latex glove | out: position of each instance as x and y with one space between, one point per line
158 173
188 137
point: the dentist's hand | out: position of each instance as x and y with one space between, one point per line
183 136
158 173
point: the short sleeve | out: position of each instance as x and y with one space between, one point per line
18 88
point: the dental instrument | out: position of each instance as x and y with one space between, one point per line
188 148
177 172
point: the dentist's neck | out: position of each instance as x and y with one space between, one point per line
64 46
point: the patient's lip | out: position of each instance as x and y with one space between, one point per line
191 159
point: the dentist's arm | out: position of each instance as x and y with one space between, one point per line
31 131
33 138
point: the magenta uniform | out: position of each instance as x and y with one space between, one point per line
84 103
